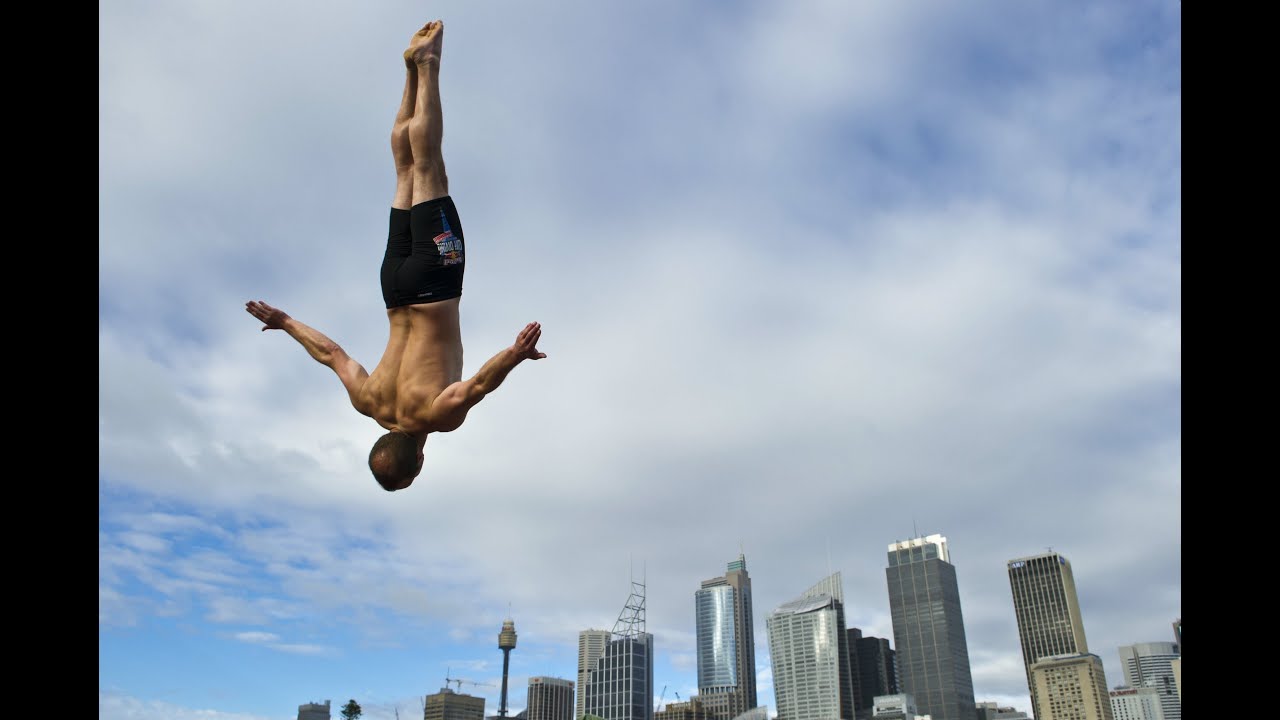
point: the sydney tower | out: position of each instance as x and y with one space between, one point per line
507 643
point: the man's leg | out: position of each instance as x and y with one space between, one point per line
426 126
400 231
401 148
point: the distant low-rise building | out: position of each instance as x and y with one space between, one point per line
1140 703
1070 686
450 705
992 711
692 709
314 711
900 706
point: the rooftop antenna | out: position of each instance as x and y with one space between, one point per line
828 556
914 528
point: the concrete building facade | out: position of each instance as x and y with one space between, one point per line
1047 611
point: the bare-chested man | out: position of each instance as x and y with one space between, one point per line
417 387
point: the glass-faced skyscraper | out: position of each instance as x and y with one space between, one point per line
928 629
726 642
1048 611
810 652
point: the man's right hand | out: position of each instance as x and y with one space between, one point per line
272 318
526 345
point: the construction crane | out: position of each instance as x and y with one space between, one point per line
660 697
459 682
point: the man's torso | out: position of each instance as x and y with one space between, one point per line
422 358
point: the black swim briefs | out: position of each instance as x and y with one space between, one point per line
425 256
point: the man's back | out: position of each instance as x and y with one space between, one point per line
422 358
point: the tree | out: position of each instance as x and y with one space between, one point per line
351 711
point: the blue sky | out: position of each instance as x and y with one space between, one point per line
814 277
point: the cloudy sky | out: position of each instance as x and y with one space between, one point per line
814 277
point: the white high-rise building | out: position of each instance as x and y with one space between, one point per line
1130 703
591 645
809 649
1151 665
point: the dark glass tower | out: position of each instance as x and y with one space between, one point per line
928 629
726 642
874 668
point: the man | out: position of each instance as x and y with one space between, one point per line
417 387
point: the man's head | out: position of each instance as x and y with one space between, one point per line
396 459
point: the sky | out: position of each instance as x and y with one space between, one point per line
814 278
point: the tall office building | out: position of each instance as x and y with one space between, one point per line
620 686
874 669
809 648
1047 610
1070 687
314 711
928 629
1130 703
590 647
726 642
549 698
1152 665
449 705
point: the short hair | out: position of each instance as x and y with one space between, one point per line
394 459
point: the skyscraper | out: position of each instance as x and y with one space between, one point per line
620 686
874 669
1048 611
549 698
810 652
1151 665
1070 687
590 647
726 642
928 629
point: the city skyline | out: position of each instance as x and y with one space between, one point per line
812 277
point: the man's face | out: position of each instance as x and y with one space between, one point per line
406 483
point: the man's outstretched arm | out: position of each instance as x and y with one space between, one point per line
493 372
464 395
317 344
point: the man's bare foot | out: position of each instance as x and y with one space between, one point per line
424 46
